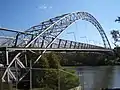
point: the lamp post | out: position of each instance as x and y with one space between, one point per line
85 38
73 34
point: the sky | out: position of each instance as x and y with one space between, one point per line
23 14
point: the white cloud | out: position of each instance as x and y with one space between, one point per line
44 7
50 7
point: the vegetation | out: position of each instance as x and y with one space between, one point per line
116 37
50 75
117 55
86 59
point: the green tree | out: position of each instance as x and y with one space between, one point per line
115 35
39 74
49 78
68 79
53 59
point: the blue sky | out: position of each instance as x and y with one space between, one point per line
22 14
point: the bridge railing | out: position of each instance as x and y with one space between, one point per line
8 38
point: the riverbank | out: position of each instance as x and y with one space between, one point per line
77 88
71 66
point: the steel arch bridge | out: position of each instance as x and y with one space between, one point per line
40 38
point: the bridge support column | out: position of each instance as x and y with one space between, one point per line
59 43
30 75
70 44
65 44
42 41
75 45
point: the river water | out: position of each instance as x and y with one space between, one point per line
94 78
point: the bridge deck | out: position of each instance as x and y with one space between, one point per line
55 49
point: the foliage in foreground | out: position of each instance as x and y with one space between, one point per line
51 75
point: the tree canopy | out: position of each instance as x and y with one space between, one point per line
50 75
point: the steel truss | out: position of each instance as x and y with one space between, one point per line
45 35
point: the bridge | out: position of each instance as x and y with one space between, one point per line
15 44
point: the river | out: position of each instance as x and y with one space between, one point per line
94 78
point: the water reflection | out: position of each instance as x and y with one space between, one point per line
94 78
116 80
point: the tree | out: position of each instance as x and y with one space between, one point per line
115 35
68 80
48 74
39 74
53 59
53 77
